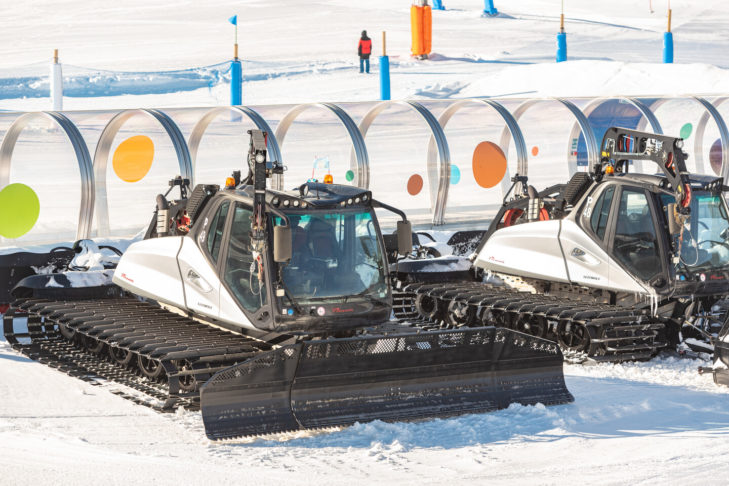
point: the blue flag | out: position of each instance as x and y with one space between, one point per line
233 20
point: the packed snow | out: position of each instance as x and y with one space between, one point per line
631 423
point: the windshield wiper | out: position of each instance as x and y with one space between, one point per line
366 294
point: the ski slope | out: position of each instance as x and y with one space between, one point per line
630 424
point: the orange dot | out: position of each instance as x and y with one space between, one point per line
489 164
415 184
133 158
535 151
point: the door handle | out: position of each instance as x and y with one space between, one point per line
198 281
583 256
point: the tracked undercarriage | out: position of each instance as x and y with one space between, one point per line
583 329
157 352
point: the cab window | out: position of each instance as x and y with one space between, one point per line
217 226
241 272
636 244
601 212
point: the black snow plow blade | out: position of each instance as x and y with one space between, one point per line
391 378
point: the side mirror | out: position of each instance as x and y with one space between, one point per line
282 244
674 227
404 237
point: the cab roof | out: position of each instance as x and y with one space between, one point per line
314 194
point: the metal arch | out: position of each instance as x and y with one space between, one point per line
647 115
86 211
362 160
593 154
511 125
202 125
713 112
444 155
101 157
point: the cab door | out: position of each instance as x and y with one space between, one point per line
585 247
635 242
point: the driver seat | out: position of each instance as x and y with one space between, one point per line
322 242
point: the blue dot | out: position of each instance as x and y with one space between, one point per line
455 174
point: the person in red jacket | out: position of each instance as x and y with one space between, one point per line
364 50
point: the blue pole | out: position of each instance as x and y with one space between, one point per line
561 46
236 83
668 47
489 9
438 5
384 78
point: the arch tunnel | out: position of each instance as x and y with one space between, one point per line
446 163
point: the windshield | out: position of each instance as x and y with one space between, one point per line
335 256
703 239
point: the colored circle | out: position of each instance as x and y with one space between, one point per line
133 158
715 154
349 176
415 184
535 151
455 174
19 210
686 131
489 164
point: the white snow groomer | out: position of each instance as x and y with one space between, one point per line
274 315
612 266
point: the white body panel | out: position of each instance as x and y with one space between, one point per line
528 250
533 250
159 268
149 268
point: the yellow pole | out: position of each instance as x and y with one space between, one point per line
384 44
669 20
55 56
561 19
235 50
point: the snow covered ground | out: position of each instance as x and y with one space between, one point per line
631 423
296 52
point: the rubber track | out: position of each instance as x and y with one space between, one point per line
616 333
184 347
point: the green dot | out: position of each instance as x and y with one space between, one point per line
686 131
19 210
349 176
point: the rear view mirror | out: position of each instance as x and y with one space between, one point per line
282 244
674 227
404 237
